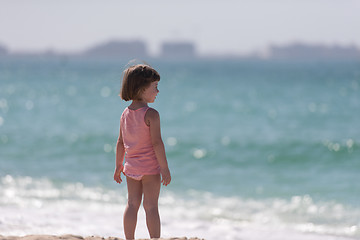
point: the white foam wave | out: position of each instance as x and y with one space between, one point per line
39 206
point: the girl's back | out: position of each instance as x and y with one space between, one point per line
140 158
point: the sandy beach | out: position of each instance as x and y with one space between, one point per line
75 237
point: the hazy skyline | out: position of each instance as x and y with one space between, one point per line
215 27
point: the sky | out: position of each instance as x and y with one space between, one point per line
215 27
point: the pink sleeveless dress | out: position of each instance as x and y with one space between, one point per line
140 158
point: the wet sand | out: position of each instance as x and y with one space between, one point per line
75 237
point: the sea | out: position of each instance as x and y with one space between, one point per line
258 149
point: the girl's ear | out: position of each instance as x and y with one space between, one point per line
140 93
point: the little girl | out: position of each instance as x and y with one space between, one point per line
141 144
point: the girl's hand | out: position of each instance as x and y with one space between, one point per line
165 176
117 174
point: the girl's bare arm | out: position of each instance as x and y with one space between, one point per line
120 154
152 118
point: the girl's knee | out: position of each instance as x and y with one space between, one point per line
150 206
134 203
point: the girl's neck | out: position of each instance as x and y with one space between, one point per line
137 104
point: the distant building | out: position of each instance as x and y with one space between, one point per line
3 51
178 50
317 52
118 49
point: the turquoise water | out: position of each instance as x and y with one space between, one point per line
253 146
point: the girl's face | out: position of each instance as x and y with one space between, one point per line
150 92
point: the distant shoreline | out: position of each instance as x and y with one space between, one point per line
187 51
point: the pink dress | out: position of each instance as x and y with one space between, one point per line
140 158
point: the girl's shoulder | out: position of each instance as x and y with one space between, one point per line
124 112
151 115
151 112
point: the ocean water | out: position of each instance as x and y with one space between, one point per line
257 149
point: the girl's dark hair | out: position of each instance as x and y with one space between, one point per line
136 78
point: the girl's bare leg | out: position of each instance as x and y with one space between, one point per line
151 188
133 204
